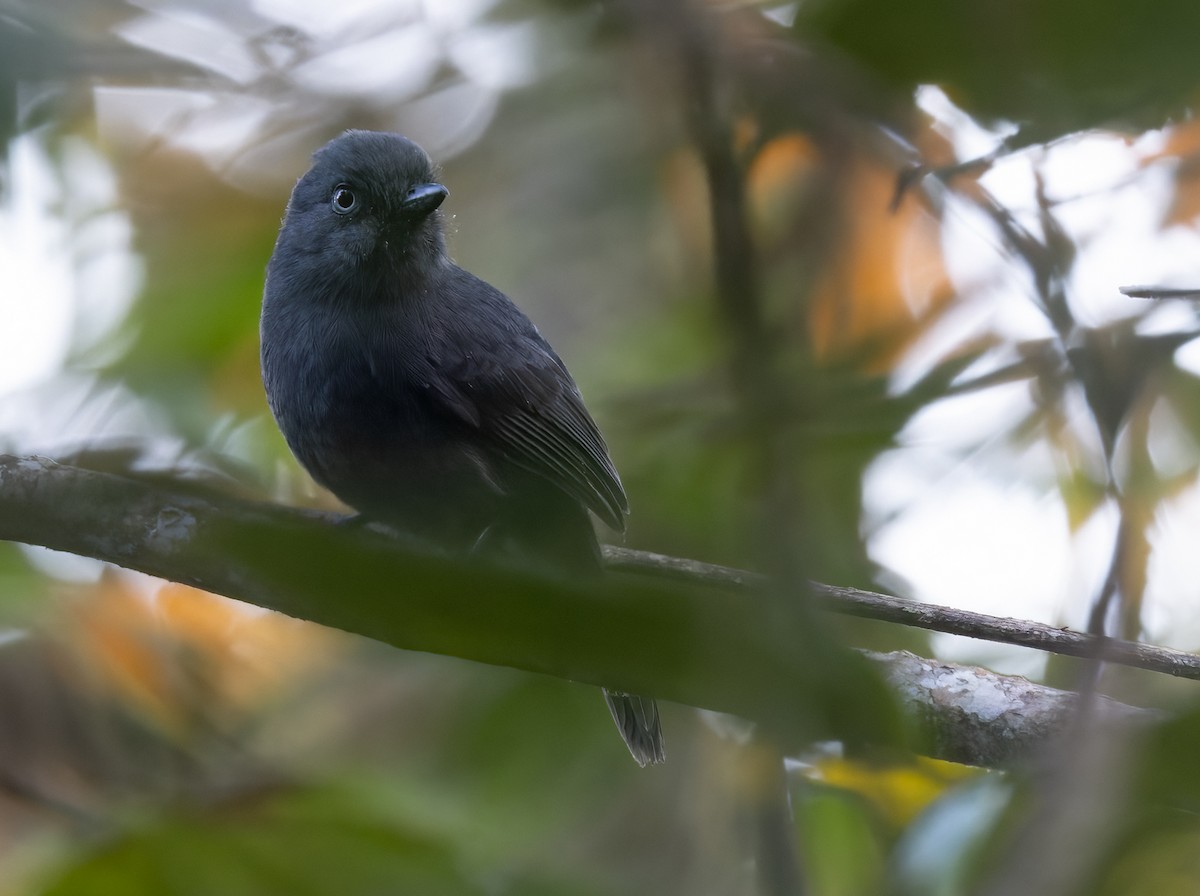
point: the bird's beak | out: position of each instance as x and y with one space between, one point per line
423 199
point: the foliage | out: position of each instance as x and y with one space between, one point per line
155 739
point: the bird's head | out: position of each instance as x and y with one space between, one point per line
370 199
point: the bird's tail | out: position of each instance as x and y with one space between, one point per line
637 720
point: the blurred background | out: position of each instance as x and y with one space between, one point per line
943 200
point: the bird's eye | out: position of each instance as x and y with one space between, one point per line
344 200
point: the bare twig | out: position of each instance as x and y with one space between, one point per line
1161 292
886 608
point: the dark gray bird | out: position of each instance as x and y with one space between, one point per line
419 394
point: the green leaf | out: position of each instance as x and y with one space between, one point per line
1051 66
313 842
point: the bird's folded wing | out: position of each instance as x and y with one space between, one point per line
533 414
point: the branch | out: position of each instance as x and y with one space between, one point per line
700 645
975 716
885 608
694 645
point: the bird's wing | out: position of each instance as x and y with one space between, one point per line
525 404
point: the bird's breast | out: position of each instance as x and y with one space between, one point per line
359 418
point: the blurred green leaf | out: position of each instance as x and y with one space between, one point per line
357 835
1051 66
316 842
195 330
843 852
1155 863
22 586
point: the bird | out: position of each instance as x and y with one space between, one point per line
419 394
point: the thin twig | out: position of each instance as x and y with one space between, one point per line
1161 292
886 608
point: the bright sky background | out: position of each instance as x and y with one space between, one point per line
953 531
